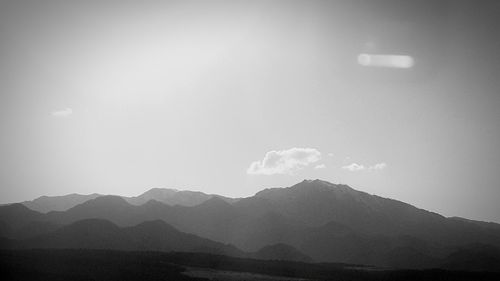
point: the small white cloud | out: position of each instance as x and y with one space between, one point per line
354 167
320 166
284 161
378 166
389 61
62 113
330 154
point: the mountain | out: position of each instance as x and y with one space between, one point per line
324 221
174 197
17 214
316 202
17 221
146 236
45 204
214 219
109 207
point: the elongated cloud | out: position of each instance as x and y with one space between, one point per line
284 161
382 60
62 113
378 166
320 166
354 167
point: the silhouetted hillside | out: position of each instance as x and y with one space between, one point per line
17 221
103 234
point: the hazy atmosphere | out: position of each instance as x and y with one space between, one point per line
399 99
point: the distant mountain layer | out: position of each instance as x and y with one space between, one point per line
45 204
321 220
175 197
101 234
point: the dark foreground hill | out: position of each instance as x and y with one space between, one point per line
147 236
102 234
54 265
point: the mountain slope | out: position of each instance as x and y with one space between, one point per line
17 221
45 204
317 202
103 234
112 208
174 197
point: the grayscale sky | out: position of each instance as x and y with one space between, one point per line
231 97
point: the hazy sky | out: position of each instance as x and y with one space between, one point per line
231 97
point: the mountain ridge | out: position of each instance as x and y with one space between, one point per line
170 196
324 221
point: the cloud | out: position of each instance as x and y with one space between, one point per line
284 161
354 167
62 113
378 166
320 166
330 154
390 61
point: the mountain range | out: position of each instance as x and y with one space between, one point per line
45 204
313 220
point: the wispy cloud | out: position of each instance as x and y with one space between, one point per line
320 166
354 167
378 166
386 60
62 112
284 161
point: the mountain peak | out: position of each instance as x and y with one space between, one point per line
155 225
317 183
170 197
17 213
109 199
214 201
159 194
152 203
103 202
160 191
16 207
305 186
